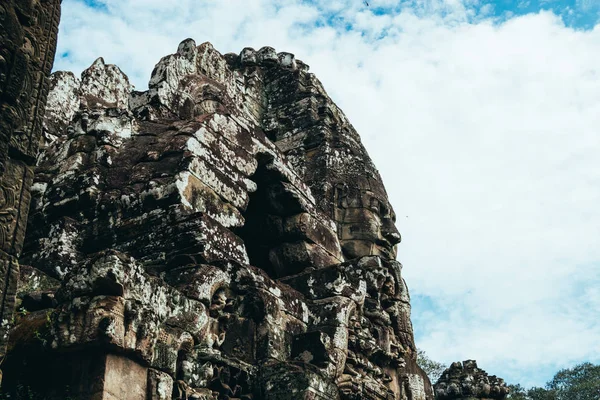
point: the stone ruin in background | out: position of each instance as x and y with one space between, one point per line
468 382
222 235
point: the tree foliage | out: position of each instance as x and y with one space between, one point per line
517 392
581 382
433 369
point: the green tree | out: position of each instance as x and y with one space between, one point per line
517 392
581 382
433 369
536 393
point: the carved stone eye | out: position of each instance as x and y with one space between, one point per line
374 204
384 211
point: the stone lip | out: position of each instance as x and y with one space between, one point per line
467 381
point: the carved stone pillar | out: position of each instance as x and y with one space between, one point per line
28 31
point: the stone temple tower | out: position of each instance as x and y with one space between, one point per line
222 235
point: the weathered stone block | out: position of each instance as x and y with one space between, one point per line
340 281
239 342
312 347
199 282
292 258
160 385
248 56
296 382
204 199
307 226
105 86
286 200
124 379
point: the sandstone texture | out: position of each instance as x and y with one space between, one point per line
466 381
222 235
28 30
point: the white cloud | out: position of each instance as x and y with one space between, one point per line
587 5
486 136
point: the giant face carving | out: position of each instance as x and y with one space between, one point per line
366 221
201 96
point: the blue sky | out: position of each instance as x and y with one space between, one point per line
578 14
482 117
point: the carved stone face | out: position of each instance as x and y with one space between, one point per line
203 96
366 223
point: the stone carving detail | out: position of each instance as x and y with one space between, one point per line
225 231
466 381
28 30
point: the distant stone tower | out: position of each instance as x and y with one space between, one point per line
222 235
467 382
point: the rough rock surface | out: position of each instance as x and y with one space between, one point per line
28 30
222 235
466 381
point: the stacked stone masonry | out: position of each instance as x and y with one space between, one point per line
222 235
465 381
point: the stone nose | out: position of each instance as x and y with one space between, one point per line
390 232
